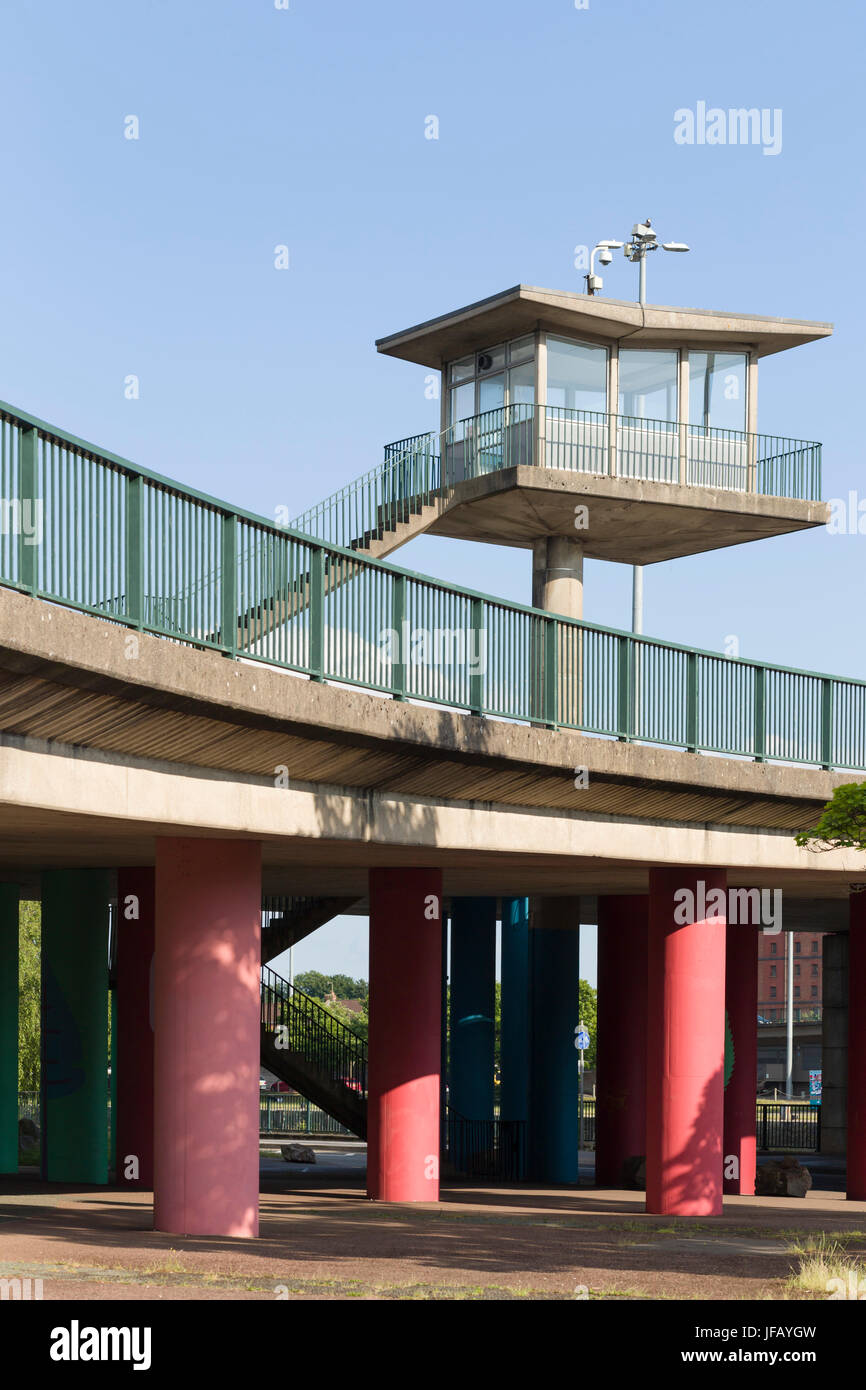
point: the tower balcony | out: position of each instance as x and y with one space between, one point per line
630 489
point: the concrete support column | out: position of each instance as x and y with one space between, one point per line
555 1004
620 1106
514 1042
75 1025
207 1029
404 1053
856 1184
741 1001
557 575
133 998
473 1005
8 1028
834 1043
686 1041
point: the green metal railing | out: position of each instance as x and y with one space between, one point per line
120 542
421 470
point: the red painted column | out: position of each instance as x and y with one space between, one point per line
620 1107
685 1041
404 1053
856 1183
206 1018
136 894
741 996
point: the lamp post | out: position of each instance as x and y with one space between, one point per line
643 240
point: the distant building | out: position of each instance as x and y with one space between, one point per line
772 1006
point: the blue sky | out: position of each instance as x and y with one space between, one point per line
305 127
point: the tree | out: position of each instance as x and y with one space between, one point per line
588 1008
29 978
357 1021
843 821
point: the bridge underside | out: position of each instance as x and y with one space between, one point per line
223 780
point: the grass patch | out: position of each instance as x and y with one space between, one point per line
823 1260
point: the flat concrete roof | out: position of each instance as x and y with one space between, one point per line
523 308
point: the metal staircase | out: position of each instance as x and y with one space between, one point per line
312 1051
287 920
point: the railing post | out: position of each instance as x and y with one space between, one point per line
692 702
540 431
28 570
551 643
135 549
760 736
399 625
229 577
611 444
477 653
317 613
625 689
683 430
827 724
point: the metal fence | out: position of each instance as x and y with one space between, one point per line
282 1113
794 1128
485 1148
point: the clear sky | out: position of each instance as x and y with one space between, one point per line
305 127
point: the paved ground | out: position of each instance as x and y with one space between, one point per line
321 1239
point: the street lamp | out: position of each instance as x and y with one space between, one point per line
644 239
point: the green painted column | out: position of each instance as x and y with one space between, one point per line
8 1028
75 1025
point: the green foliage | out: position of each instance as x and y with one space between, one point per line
319 986
843 821
29 984
357 1022
588 1003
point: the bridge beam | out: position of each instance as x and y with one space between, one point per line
741 1000
473 1005
404 1050
206 1046
620 1125
136 903
554 1076
74 1107
685 1041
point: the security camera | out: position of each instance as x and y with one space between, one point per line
605 257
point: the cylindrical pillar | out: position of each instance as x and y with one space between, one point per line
207 1036
74 1109
741 1002
554 1075
557 576
404 1050
514 1023
686 1041
620 1105
473 1005
856 1184
133 997
8 1028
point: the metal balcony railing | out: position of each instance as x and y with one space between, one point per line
419 470
125 544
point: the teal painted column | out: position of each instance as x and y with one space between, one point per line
75 1025
514 1039
554 944
473 1004
8 1028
